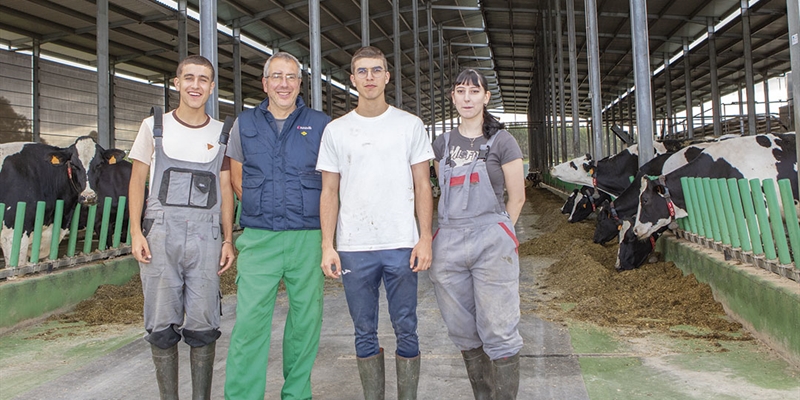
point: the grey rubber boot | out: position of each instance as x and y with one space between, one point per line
407 377
166 361
373 380
506 377
202 361
479 370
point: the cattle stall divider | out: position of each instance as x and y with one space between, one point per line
743 220
52 261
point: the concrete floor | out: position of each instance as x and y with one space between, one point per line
558 362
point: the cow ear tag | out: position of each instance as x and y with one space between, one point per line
112 160
55 160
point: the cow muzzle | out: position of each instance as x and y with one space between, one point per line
88 198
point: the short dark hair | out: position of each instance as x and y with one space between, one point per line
369 52
194 60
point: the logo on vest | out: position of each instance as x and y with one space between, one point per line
300 127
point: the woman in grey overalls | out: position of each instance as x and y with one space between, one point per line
475 269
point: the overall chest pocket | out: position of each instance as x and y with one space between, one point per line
182 187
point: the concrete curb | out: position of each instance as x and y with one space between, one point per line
767 304
38 295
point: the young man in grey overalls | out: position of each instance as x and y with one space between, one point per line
184 241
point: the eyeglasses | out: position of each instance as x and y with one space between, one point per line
376 72
278 77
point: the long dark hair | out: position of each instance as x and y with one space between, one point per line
469 76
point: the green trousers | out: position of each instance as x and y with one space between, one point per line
266 257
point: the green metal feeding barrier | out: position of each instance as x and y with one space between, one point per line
745 218
91 250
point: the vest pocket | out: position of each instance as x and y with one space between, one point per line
251 195
312 189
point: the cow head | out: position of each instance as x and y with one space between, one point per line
608 224
567 207
578 170
656 209
584 205
86 157
633 252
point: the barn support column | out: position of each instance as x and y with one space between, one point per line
429 16
687 80
573 79
315 48
716 113
329 93
560 55
765 76
103 98
441 77
306 81
365 23
347 96
398 66
36 112
208 49
451 78
417 94
552 96
631 123
613 114
750 86
183 37
607 131
703 116
668 86
793 15
112 130
741 109
238 103
593 53
167 78
642 74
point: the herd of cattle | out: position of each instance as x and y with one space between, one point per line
648 200
83 173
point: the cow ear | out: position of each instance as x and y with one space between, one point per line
112 156
56 159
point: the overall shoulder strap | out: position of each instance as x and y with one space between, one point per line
158 121
485 147
226 130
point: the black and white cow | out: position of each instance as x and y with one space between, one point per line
570 203
633 252
768 156
31 172
610 215
577 171
611 174
586 202
110 180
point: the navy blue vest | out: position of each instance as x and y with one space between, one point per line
280 183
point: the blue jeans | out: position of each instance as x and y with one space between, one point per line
362 273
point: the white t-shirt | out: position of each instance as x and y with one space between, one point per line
373 157
181 141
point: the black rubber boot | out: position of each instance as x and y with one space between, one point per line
166 361
202 361
479 370
373 380
407 377
506 377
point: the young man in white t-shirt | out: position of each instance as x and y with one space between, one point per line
184 241
375 159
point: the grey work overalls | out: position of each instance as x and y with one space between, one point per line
475 268
182 227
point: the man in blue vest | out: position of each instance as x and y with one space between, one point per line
273 150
